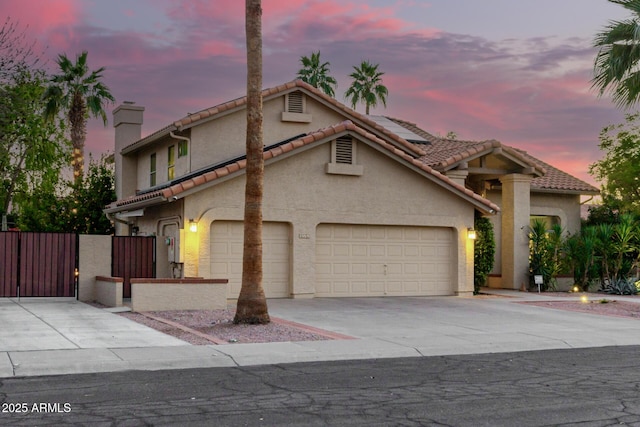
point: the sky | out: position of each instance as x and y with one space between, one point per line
511 70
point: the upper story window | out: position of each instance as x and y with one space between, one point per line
171 163
343 157
183 148
152 170
295 108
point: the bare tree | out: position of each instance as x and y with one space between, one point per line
16 53
252 303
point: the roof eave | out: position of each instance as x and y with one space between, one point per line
157 200
565 191
148 140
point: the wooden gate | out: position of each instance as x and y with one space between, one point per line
38 264
133 257
9 250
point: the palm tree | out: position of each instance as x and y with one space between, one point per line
616 64
79 93
317 74
367 86
252 304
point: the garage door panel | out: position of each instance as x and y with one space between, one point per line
341 250
395 251
377 251
383 260
411 268
226 256
359 250
323 249
359 268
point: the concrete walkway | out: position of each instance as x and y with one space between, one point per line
62 336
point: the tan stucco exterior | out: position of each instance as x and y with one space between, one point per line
298 191
305 188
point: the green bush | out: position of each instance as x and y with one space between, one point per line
546 254
622 287
484 252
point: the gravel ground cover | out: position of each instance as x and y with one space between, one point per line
607 305
206 327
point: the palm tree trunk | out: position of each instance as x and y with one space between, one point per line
252 304
78 121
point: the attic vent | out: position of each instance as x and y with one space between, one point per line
295 102
344 150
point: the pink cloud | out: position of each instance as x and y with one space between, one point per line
49 14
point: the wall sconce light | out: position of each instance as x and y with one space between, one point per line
471 233
193 226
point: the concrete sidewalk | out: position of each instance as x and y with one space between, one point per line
53 336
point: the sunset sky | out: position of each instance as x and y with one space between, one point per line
515 71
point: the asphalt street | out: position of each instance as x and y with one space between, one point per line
585 387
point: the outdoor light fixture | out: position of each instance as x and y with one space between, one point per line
471 233
193 226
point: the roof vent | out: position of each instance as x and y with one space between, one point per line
344 150
294 102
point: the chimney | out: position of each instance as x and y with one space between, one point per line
127 119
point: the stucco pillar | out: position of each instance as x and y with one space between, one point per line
459 176
516 208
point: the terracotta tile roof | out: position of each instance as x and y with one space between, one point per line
443 152
176 190
209 113
556 179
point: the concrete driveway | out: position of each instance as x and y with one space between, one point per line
50 336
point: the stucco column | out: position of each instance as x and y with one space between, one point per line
459 176
516 208
127 120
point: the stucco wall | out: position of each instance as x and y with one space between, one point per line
564 206
108 291
94 260
185 294
298 191
224 138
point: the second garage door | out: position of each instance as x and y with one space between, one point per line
226 256
366 260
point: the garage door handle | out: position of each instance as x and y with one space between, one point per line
385 269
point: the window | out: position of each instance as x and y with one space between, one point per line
183 148
152 170
343 158
171 163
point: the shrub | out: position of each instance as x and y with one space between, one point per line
484 252
623 286
545 253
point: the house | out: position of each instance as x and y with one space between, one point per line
354 205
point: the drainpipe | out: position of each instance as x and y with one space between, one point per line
183 138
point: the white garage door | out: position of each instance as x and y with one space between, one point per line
361 260
226 256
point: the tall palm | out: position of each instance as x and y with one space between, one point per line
616 64
251 307
79 93
367 86
317 74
